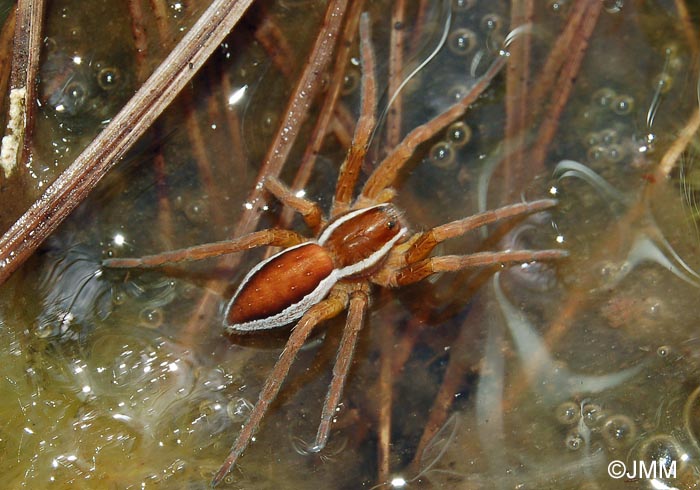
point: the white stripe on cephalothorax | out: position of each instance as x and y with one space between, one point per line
347 217
372 259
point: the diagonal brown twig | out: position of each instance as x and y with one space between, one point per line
71 187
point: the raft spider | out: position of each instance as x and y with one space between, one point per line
364 241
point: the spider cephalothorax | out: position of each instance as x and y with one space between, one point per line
365 241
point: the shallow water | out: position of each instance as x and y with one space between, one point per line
547 372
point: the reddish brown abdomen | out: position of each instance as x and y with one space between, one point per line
280 282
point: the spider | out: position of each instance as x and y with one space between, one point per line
365 241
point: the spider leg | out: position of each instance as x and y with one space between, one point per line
277 237
309 210
446 263
425 242
336 302
350 169
385 174
358 305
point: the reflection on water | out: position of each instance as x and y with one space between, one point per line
537 377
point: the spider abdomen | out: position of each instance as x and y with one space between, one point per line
281 288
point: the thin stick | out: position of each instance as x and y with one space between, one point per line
74 184
396 54
559 53
517 80
688 27
6 34
328 109
564 87
25 66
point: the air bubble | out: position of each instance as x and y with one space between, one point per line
196 211
592 139
459 134
461 42
442 155
108 78
604 97
661 448
567 413
663 82
351 81
557 6
239 409
663 351
619 431
609 136
462 5
491 22
622 105
574 440
592 414
151 317
614 153
595 154
456 93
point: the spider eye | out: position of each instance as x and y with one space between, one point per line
391 224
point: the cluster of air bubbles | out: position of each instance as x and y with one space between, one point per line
605 146
618 431
443 153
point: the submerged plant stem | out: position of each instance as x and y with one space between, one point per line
76 182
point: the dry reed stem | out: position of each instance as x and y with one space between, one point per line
76 182
561 50
517 82
29 22
294 115
564 86
396 55
6 35
688 28
328 108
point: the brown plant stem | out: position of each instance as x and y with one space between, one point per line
6 35
295 114
396 54
328 108
517 81
564 86
29 22
75 183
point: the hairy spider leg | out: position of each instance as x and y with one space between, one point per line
359 299
425 242
273 236
309 210
335 303
387 171
350 169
